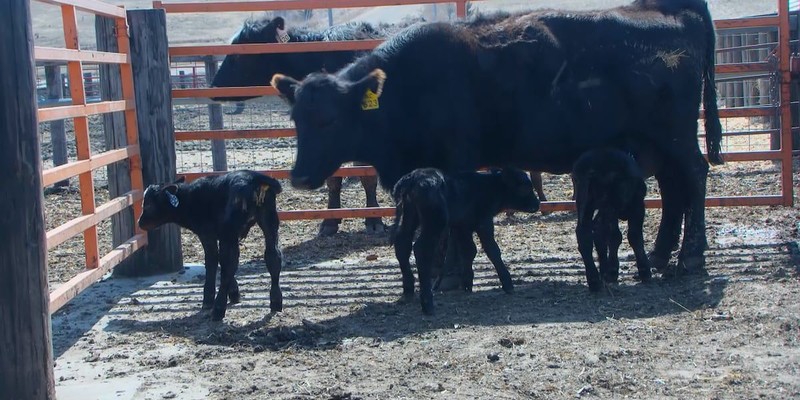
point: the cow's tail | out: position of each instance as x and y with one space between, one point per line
712 124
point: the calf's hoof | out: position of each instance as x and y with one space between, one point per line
644 276
447 283
327 229
374 226
508 288
276 304
427 308
407 298
208 305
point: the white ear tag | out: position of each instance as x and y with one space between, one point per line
282 36
173 200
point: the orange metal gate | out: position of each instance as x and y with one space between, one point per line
782 155
79 111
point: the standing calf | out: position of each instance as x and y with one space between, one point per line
457 205
610 182
220 210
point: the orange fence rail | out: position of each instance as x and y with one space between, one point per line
780 21
79 111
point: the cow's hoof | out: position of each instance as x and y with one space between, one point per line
509 288
595 286
328 229
235 298
374 226
694 265
659 263
406 298
643 276
448 283
217 314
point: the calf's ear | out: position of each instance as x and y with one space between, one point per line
285 85
171 188
180 180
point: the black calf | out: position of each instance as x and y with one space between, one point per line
610 182
220 210
458 205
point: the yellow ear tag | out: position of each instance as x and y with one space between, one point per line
370 101
262 192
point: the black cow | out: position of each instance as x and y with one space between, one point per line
609 182
220 210
455 205
532 90
257 69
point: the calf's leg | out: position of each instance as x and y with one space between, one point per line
211 253
273 257
611 271
403 237
229 261
492 250
465 256
583 233
636 240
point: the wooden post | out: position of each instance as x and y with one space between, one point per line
330 17
738 86
26 358
119 179
58 136
149 58
219 155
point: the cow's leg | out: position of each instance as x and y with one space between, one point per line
211 252
636 240
403 237
584 236
492 250
229 261
669 229
331 225
691 258
370 184
269 224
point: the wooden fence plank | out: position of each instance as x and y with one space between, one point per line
56 54
96 161
54 113
151 78
26 352
68 230
83 280
91 6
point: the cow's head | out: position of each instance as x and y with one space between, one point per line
160 205
328 111
251 69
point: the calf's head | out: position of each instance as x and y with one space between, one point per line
518 193
251 69
329 114
159 205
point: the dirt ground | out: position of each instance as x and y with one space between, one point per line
734 334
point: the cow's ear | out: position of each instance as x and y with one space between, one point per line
369 89
275 31
180 180
286 86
